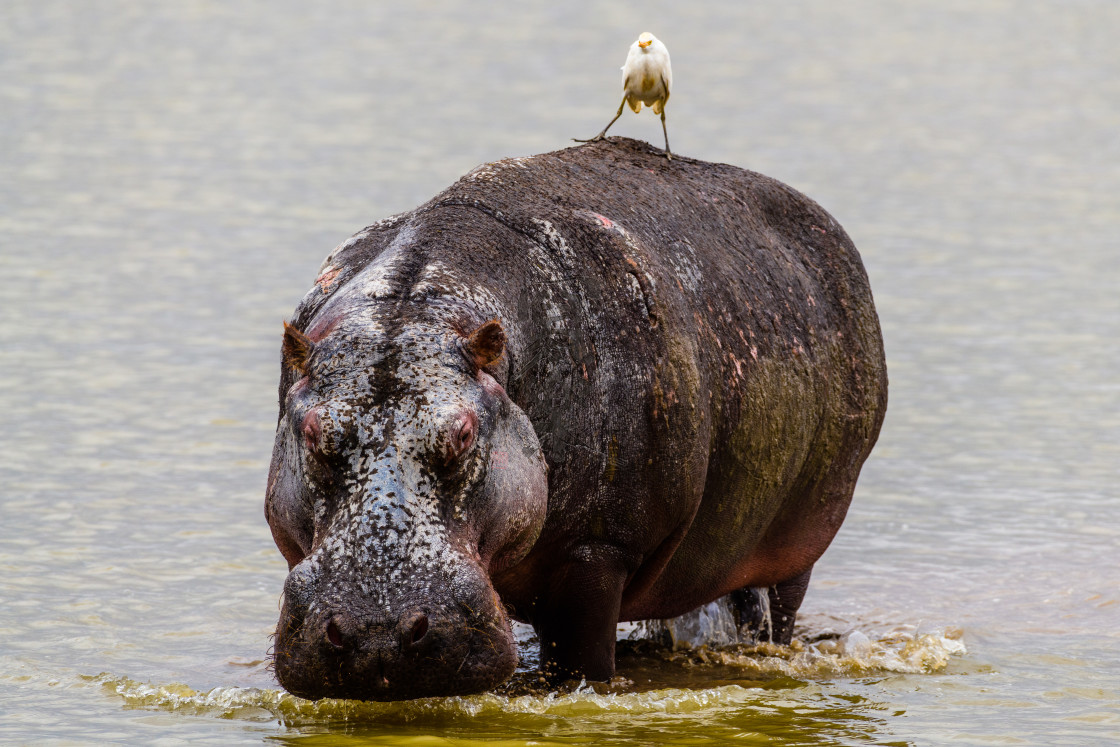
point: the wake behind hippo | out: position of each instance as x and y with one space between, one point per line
574 389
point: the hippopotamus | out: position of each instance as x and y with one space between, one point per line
573 389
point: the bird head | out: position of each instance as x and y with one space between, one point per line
645 39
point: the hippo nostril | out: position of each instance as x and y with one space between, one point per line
419 629
413 629
334 635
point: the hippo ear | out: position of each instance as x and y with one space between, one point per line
484 346
297 349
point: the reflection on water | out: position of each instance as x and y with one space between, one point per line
174 173
721 714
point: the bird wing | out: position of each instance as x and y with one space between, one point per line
627 94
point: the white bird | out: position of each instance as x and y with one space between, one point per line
646 79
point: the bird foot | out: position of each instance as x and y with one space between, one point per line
595 139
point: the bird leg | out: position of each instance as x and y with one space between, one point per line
668 153
604 132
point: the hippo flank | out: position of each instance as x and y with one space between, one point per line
573 389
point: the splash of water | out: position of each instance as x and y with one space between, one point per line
854 654
712 624
255 704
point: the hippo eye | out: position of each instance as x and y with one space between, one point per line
311 431
318 470
462 435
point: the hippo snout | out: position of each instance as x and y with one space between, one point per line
347 633
350 635
380 651
343 644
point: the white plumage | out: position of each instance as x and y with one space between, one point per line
647 78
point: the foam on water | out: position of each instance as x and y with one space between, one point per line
254 703
852 655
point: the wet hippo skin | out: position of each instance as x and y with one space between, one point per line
572 389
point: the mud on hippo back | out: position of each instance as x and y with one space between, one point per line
574 389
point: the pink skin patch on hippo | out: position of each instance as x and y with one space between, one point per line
322 328
299 386
326 279
607 222
490 384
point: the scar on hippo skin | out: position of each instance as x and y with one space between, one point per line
326 279
297 349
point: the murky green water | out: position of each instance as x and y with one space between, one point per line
171 175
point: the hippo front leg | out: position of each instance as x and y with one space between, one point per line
577 621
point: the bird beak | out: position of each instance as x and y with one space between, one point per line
645 44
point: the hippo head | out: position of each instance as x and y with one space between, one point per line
403 478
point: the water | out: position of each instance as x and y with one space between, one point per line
171 175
